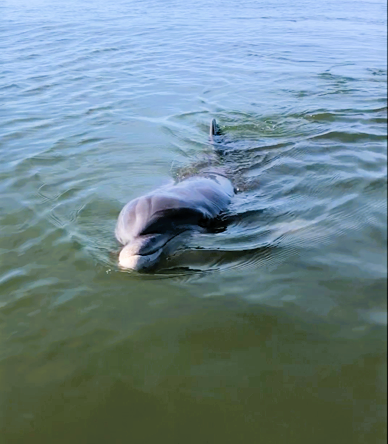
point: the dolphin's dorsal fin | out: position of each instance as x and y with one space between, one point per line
214 130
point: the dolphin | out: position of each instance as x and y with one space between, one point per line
154 226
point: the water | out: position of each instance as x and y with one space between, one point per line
273 331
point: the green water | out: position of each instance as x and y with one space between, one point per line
272 331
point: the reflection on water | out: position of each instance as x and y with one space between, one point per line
272 330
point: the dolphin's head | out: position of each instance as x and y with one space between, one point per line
149 231
153 225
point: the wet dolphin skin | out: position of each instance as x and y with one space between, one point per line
150 226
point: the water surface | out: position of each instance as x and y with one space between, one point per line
272 331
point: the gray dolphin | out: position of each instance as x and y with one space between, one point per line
152 226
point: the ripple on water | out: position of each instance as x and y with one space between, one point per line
105 101
315 164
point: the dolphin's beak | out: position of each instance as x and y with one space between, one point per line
138 262
144 252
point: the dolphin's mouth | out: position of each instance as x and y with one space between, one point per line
145 252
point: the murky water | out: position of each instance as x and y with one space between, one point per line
272 331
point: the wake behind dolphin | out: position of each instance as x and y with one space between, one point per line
152 226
